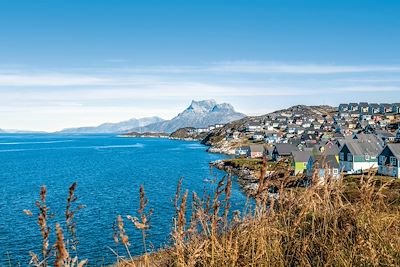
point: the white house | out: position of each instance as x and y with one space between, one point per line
357 156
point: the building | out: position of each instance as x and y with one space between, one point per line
385 108
374 109
257 136
357 156
363 108
253 127
299 161
323 166
256 151
396 108
388 160
242 151
283 151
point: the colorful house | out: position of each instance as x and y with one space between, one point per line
299 161
357 156
324 167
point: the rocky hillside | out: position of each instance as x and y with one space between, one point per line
187 134
199 114
218 143
119 127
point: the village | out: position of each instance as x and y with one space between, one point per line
353 138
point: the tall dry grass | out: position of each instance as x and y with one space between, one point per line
325 224
322 225
63 253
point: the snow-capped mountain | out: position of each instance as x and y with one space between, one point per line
199 114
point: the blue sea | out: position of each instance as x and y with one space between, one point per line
109 171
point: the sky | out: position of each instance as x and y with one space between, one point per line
70 63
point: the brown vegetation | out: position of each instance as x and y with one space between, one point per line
351 222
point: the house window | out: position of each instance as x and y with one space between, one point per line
367 157
382 159
335 171
341 156
393 161
349 157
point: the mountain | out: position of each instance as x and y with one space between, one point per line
199 114
12 131
119 127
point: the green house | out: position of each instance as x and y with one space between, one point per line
299 161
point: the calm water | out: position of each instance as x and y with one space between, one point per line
109 171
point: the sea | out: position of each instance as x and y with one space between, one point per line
109 171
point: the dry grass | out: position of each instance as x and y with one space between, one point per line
351 222
63 253
316 226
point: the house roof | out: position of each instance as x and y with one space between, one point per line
395 148
385 133
256 148
285 149
301 156
361 148
328 161
386 105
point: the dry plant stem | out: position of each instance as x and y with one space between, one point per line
42 222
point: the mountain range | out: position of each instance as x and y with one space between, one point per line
119 127
199 114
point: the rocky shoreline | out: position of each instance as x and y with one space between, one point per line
247 179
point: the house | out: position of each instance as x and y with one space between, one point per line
343 107
257 136
396 108
374 109
363 108
326 148
370 138
388 160
385 108
357 156
397 138
385 136
323 167
242 151
253 127
256 151
353 107
282 151
299 161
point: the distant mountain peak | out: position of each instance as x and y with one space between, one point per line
202 106
199 114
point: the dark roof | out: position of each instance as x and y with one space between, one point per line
329 161
285 149
395 148
385 133
301 156
361 148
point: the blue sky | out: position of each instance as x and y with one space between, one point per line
74 63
